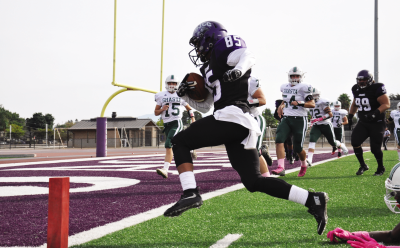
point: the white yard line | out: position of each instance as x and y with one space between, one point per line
226 241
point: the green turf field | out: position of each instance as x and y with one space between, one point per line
356 203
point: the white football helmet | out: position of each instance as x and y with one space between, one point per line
295 71
316 94
392 185
337 105
171 88
398 106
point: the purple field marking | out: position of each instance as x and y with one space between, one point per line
23 219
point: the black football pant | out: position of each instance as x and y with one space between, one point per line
374 131
208 132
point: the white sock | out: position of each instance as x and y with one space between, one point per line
298 195
398 152
309 157
166 166
187 180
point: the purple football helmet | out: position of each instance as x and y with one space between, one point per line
204 37
364 79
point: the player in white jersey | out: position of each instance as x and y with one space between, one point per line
339 119
296 96
256 98
321 120
170 106
395 117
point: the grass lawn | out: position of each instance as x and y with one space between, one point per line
356 203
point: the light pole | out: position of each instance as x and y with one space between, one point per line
376 69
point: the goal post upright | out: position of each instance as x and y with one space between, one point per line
101 122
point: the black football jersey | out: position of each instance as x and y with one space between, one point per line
366 100
226 93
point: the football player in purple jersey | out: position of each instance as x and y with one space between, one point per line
226 70
371 101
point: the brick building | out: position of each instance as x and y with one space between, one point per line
121 132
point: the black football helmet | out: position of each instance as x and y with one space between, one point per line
364 79
204 37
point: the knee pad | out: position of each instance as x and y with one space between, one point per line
311 145
181 154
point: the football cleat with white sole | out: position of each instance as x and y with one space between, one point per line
318 209
162 172
344 149
362 169
190 199
309 164
265 154
280 171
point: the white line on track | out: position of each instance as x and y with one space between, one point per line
226 241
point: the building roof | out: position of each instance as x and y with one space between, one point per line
118 122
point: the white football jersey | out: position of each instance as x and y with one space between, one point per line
254 85
298 92
395 114
176 105
338 116
318 111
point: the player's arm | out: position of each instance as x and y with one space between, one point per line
280 109
387 236
159 110
345 121
191 113
328 112
384 102
242 59
259 96
308 103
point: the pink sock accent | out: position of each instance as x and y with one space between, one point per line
303 163
339 149
266 174
281 162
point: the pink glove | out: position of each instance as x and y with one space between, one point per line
365 242
341 234
317 120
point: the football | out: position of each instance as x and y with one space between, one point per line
199 93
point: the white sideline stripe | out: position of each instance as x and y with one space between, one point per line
226 241
101 231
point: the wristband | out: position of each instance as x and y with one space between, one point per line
254 102
326 116
300 103
191 114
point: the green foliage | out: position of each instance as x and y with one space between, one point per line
356 204
345 100
39 120
394 97
8 118
17 131
186 119
67 124
160 122
269 118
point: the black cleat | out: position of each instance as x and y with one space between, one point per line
190 199
380 171
362 169
296 157
291 161
318 209
339 154
265 153
334 150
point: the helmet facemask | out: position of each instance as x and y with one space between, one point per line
364 79
337 106
392 185
316 94
172 87
292 76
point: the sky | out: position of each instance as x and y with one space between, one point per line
57 56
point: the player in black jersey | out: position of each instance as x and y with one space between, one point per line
371 101
226 71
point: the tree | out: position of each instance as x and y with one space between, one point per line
39 121
67 124
186 118
345 100
8 118
16 130
160 122
269 118
394 97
